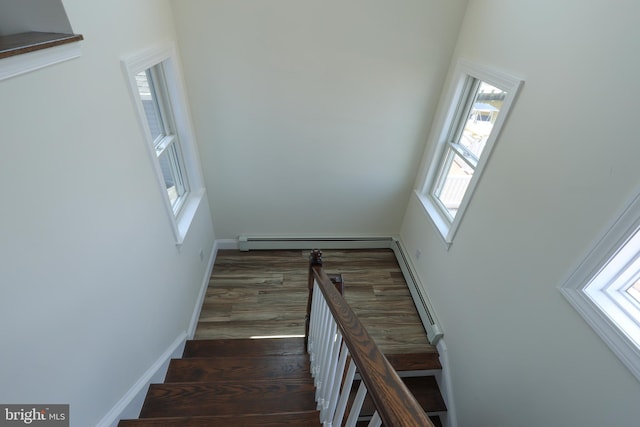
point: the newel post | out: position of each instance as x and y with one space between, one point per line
315 260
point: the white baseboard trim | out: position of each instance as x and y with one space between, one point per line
129 405
227 244
193 324
420 298
423 305
246 243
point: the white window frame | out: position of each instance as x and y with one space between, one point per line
447 124
180 216
597 287
167 142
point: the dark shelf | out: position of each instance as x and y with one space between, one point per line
18 44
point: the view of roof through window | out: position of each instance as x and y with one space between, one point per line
634 291
468 144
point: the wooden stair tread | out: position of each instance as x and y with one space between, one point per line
292 419
415 361
434 419
244 346
229 397
259 382
425 390
243 367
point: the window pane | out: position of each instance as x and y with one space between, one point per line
634 291
177 169
453 183
150 103
483 113
168 173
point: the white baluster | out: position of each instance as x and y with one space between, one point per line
313 330
322 313
325 362
357 405
317 327
320 354
375 420
324 323
346 391
334 392
326 414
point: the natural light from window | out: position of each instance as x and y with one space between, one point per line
480 111
605 287
266 337
469 123
158 95
151 91
634 291
615 288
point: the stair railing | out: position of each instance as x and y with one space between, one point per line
338 344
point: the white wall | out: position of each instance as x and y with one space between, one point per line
311 114
564 166
92 287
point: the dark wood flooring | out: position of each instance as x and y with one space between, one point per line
264 293
234 383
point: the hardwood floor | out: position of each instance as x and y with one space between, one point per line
264 293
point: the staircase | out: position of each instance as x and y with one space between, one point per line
418 371
263 382
268 382
238 382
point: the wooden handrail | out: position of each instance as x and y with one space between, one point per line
394 402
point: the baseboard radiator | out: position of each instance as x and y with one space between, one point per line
421 300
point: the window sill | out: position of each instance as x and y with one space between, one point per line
188 212
25 52
444 227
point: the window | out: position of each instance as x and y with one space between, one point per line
157 109
478 105
157 91
605 287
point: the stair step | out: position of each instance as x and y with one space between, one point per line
415 361
244 346
425 390
196 369
434 419
294 419
229 397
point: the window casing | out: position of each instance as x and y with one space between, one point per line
604 287
478 104
156 86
